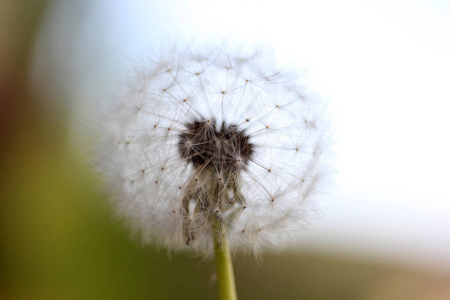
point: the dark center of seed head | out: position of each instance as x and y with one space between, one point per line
226 149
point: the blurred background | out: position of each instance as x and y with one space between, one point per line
383 228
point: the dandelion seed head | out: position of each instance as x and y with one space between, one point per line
200 138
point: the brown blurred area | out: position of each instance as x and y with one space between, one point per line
58 239
18 25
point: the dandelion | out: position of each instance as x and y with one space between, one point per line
207 152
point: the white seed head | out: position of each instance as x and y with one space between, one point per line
198 139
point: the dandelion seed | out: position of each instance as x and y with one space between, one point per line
226 143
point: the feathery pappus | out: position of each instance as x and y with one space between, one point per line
201 142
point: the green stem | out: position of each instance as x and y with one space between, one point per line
224 267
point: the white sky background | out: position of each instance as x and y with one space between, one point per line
382 66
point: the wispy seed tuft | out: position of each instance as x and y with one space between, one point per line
198 139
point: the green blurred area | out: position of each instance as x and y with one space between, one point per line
59 241
58 238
